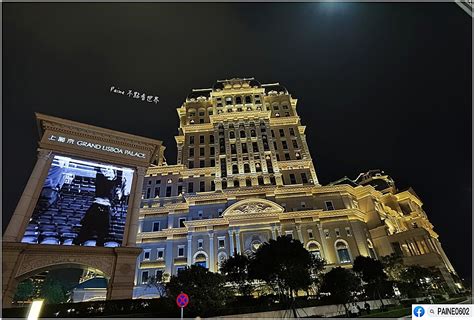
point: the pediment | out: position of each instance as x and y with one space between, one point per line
253 206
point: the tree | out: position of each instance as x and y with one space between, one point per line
24 291
53 291
393 266
235 270
372 273
206 290
419 278
285 265
317 268
158 283
342 286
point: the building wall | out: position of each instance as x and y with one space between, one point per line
240 180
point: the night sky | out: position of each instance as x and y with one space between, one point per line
378 85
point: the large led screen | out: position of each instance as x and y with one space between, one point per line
81 203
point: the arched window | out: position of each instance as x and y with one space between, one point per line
260 181
314 249
252 133
342 252
200 260
248 182
231 134
238 100
242 133
236 183
246 168
258 167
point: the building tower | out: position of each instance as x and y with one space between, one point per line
244 175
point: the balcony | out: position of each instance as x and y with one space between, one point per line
162 202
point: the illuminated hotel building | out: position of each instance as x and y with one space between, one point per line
244 175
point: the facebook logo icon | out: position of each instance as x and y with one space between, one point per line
418 311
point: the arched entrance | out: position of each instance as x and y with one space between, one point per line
25 262
62 283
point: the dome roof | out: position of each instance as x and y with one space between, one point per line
276 87
197 94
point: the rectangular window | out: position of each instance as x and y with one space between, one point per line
211 138
190 187
191 152
221 242
255 147
191 164
144 276
159 275
160 254
282 133
180 190
213 162
213 185
168 191
181 251
202 186
201 164
157 192
292 132
329 205
181 222
284 144
201 139
201 152
287 156
244 148
212 151
304 178
156 226
348 232
146 254
148 191
191 139
292 178
295 144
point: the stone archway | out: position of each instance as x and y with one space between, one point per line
22 261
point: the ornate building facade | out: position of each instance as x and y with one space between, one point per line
244 175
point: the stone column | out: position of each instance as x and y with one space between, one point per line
189 250
274 235
212 266
27 202
300 234
169 256
231 242
325 253
237 241
134 213
122 282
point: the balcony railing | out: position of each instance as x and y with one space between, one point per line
161 202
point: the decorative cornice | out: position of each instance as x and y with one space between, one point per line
284 121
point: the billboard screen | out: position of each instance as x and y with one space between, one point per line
81 203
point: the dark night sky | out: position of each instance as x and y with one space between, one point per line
379 85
